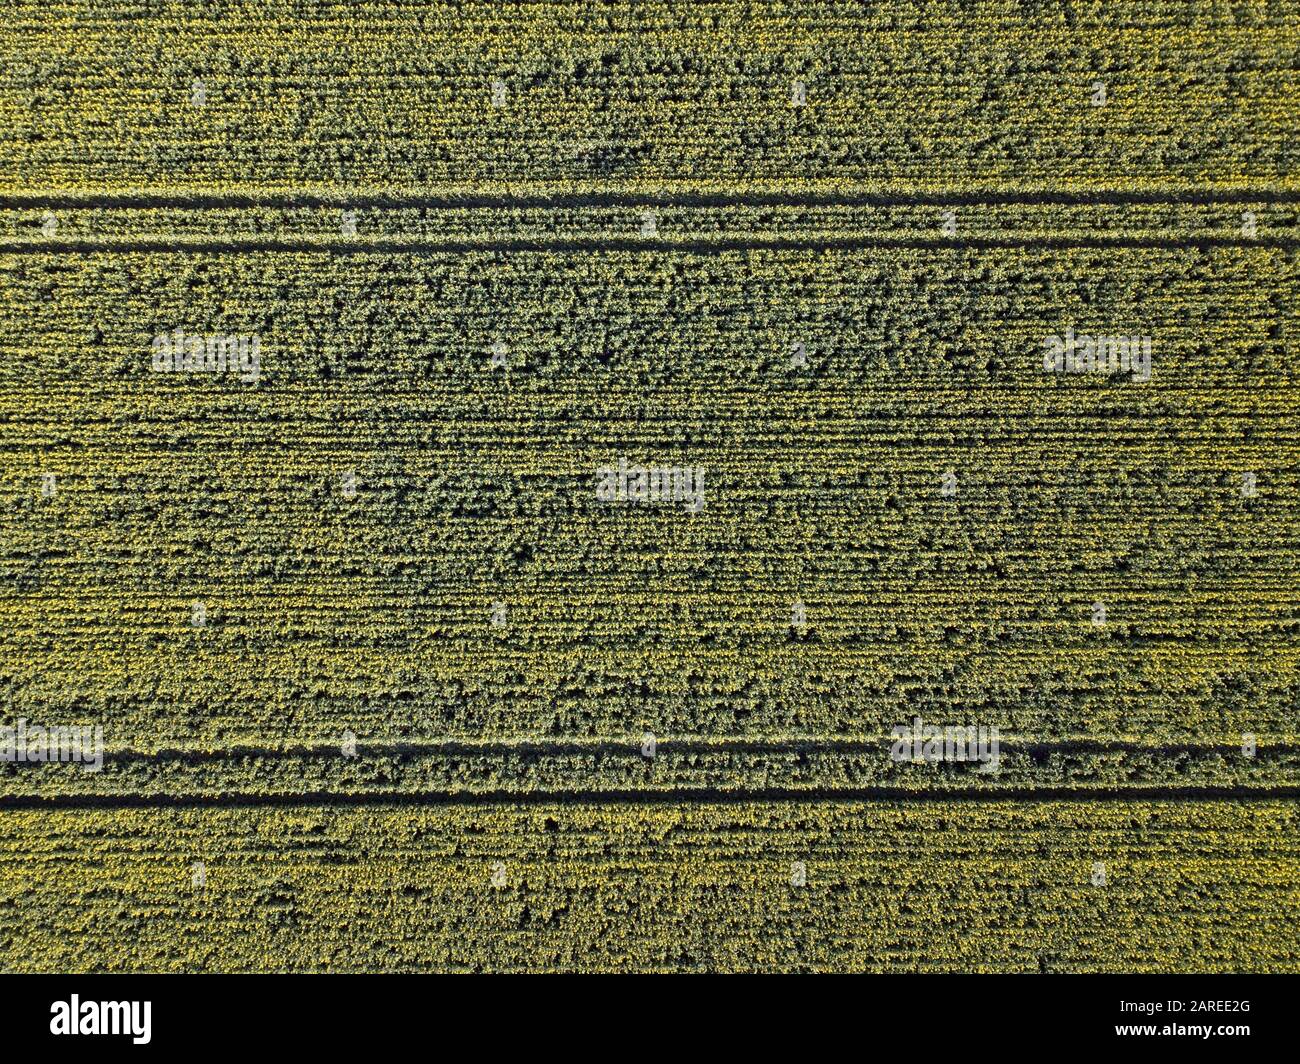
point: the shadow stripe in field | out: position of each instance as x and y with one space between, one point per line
645 796
631 749
452 201
336 246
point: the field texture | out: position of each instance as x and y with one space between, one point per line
498 477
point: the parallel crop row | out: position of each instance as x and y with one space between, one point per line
1051 887
474 496
388 95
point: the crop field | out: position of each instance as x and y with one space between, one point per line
504 485
979 886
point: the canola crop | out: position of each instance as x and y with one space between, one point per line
500 476
747 887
